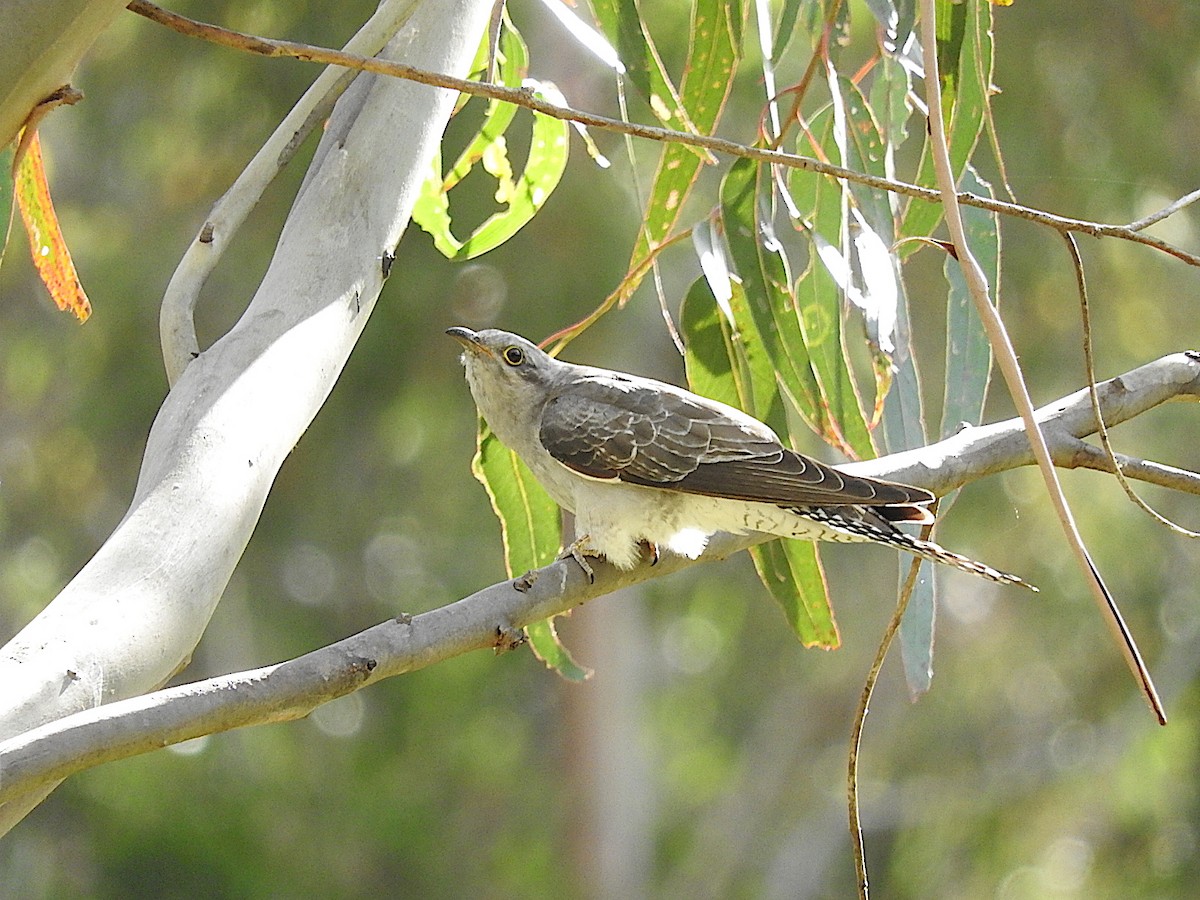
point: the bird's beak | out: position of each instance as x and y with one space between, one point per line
468 338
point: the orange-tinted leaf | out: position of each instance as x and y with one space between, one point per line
46 243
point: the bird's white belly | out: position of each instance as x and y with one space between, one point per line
616 517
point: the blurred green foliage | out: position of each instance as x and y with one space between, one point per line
710 762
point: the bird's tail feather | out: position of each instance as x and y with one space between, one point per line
939 554
867 524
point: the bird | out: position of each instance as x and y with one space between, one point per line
641 463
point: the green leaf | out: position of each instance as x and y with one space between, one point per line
889 100
860 145
543 640
968 370
717 368
903 417
622 24
526 195
873 229
767 282
531 530
708 353
819 294
529 518
432 210
819 300
708 78
975 71
786 27
726 360
521 196
897 16
765 400
512 61
904 412
951 31
791 571
707 82
968 353
863 148
966 111
814 22
917 628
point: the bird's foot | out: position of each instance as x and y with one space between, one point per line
577 550
652 549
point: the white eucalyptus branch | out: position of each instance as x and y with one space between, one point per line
177 330
493 616
43 43
136 610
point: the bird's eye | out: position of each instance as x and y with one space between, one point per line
514 356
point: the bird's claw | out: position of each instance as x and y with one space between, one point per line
577 550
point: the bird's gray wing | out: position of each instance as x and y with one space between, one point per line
613 427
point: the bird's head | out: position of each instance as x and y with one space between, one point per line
510 377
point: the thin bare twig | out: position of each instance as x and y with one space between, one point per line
1010 368
622 294
619 295
815 62
63 96
1082 455
1102 429
860 720
1169 210
275 48
494 39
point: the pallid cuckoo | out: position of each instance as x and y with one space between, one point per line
640 461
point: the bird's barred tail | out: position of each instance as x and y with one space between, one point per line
852 522
939 554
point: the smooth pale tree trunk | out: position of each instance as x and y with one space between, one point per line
42 43
132 616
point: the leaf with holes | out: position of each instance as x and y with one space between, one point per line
521 196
